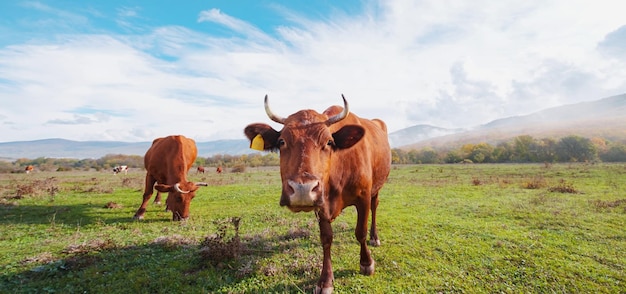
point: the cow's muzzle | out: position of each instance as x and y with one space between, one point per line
301 194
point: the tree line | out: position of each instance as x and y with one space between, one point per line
108 162
521 149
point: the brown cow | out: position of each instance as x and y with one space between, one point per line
29 168
167 162
218 170
329 161
200 169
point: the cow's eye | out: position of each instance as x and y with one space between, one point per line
330 143
281 142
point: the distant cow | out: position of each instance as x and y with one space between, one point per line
200 169
329 161
120 168
167 162
218 170
29 168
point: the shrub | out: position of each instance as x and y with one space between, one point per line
535 183
239 168
564 187
217 248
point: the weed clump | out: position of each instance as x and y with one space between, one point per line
37 187
131 183
44 257
91 246
297 233
601 204
564 187
174 241
113 205
218 248
535 183
94 189
24 190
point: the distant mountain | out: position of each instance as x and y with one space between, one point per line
611 107
231 147
604 118
61 148
418 133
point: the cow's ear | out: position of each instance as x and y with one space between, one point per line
267 133
162 187
347 136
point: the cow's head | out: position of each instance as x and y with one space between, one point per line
306 144
179 197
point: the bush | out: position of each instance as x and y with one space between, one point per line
563 187
239 168
535 183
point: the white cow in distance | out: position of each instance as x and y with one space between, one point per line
120 168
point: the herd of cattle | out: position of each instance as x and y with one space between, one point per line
202 169
124 168
328 161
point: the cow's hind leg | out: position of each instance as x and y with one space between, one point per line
157 198
374 240
149 189
367 262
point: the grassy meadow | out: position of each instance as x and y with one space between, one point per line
444 228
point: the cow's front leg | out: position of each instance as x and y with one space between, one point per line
367 262
325 283
149 189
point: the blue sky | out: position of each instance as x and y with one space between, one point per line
137 70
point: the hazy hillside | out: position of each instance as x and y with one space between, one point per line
605 118
418 133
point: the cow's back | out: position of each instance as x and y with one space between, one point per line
378 145
368 160
169 158
375 142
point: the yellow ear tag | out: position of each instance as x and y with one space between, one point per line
257 143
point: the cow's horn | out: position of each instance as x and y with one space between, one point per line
341 115
276 118
177 187
201 184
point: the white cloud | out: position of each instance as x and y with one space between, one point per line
447 63
614 43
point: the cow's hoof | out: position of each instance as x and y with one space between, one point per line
319 290
368 270
375 243
157 202
138 217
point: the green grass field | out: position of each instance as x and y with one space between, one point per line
444 228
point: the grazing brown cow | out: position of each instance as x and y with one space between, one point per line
219 170
200 169
329 161
167 162
29 168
